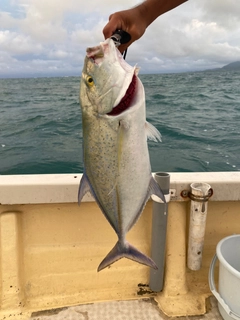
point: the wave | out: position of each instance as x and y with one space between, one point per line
196 113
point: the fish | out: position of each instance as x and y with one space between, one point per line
117 170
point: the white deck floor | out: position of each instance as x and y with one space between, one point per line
144 309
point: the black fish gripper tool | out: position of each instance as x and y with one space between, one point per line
121 37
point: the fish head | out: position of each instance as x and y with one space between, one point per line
106 79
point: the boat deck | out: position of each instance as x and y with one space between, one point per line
143 309
55 246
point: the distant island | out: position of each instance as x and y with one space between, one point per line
232 66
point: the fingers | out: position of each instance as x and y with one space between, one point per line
113 24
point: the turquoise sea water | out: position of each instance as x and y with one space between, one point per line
198 115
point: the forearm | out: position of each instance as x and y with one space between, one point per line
152 9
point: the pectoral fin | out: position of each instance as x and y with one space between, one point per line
152 133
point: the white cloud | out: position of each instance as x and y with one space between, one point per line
59 54
15 43
7 21
224 13
188 40
43 25
89 37
54 35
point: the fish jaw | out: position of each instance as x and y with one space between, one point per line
111 77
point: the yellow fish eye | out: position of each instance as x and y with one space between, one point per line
90 81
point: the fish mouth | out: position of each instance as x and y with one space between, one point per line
96 54
127 99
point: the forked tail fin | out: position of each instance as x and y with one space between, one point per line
125 250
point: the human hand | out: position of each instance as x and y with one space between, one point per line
130 21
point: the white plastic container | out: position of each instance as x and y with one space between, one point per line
228 295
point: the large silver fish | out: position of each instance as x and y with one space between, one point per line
117 167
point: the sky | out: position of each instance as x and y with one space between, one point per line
50 37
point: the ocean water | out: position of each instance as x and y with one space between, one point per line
197 113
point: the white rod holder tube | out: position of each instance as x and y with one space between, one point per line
198 215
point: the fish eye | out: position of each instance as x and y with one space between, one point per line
90 81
